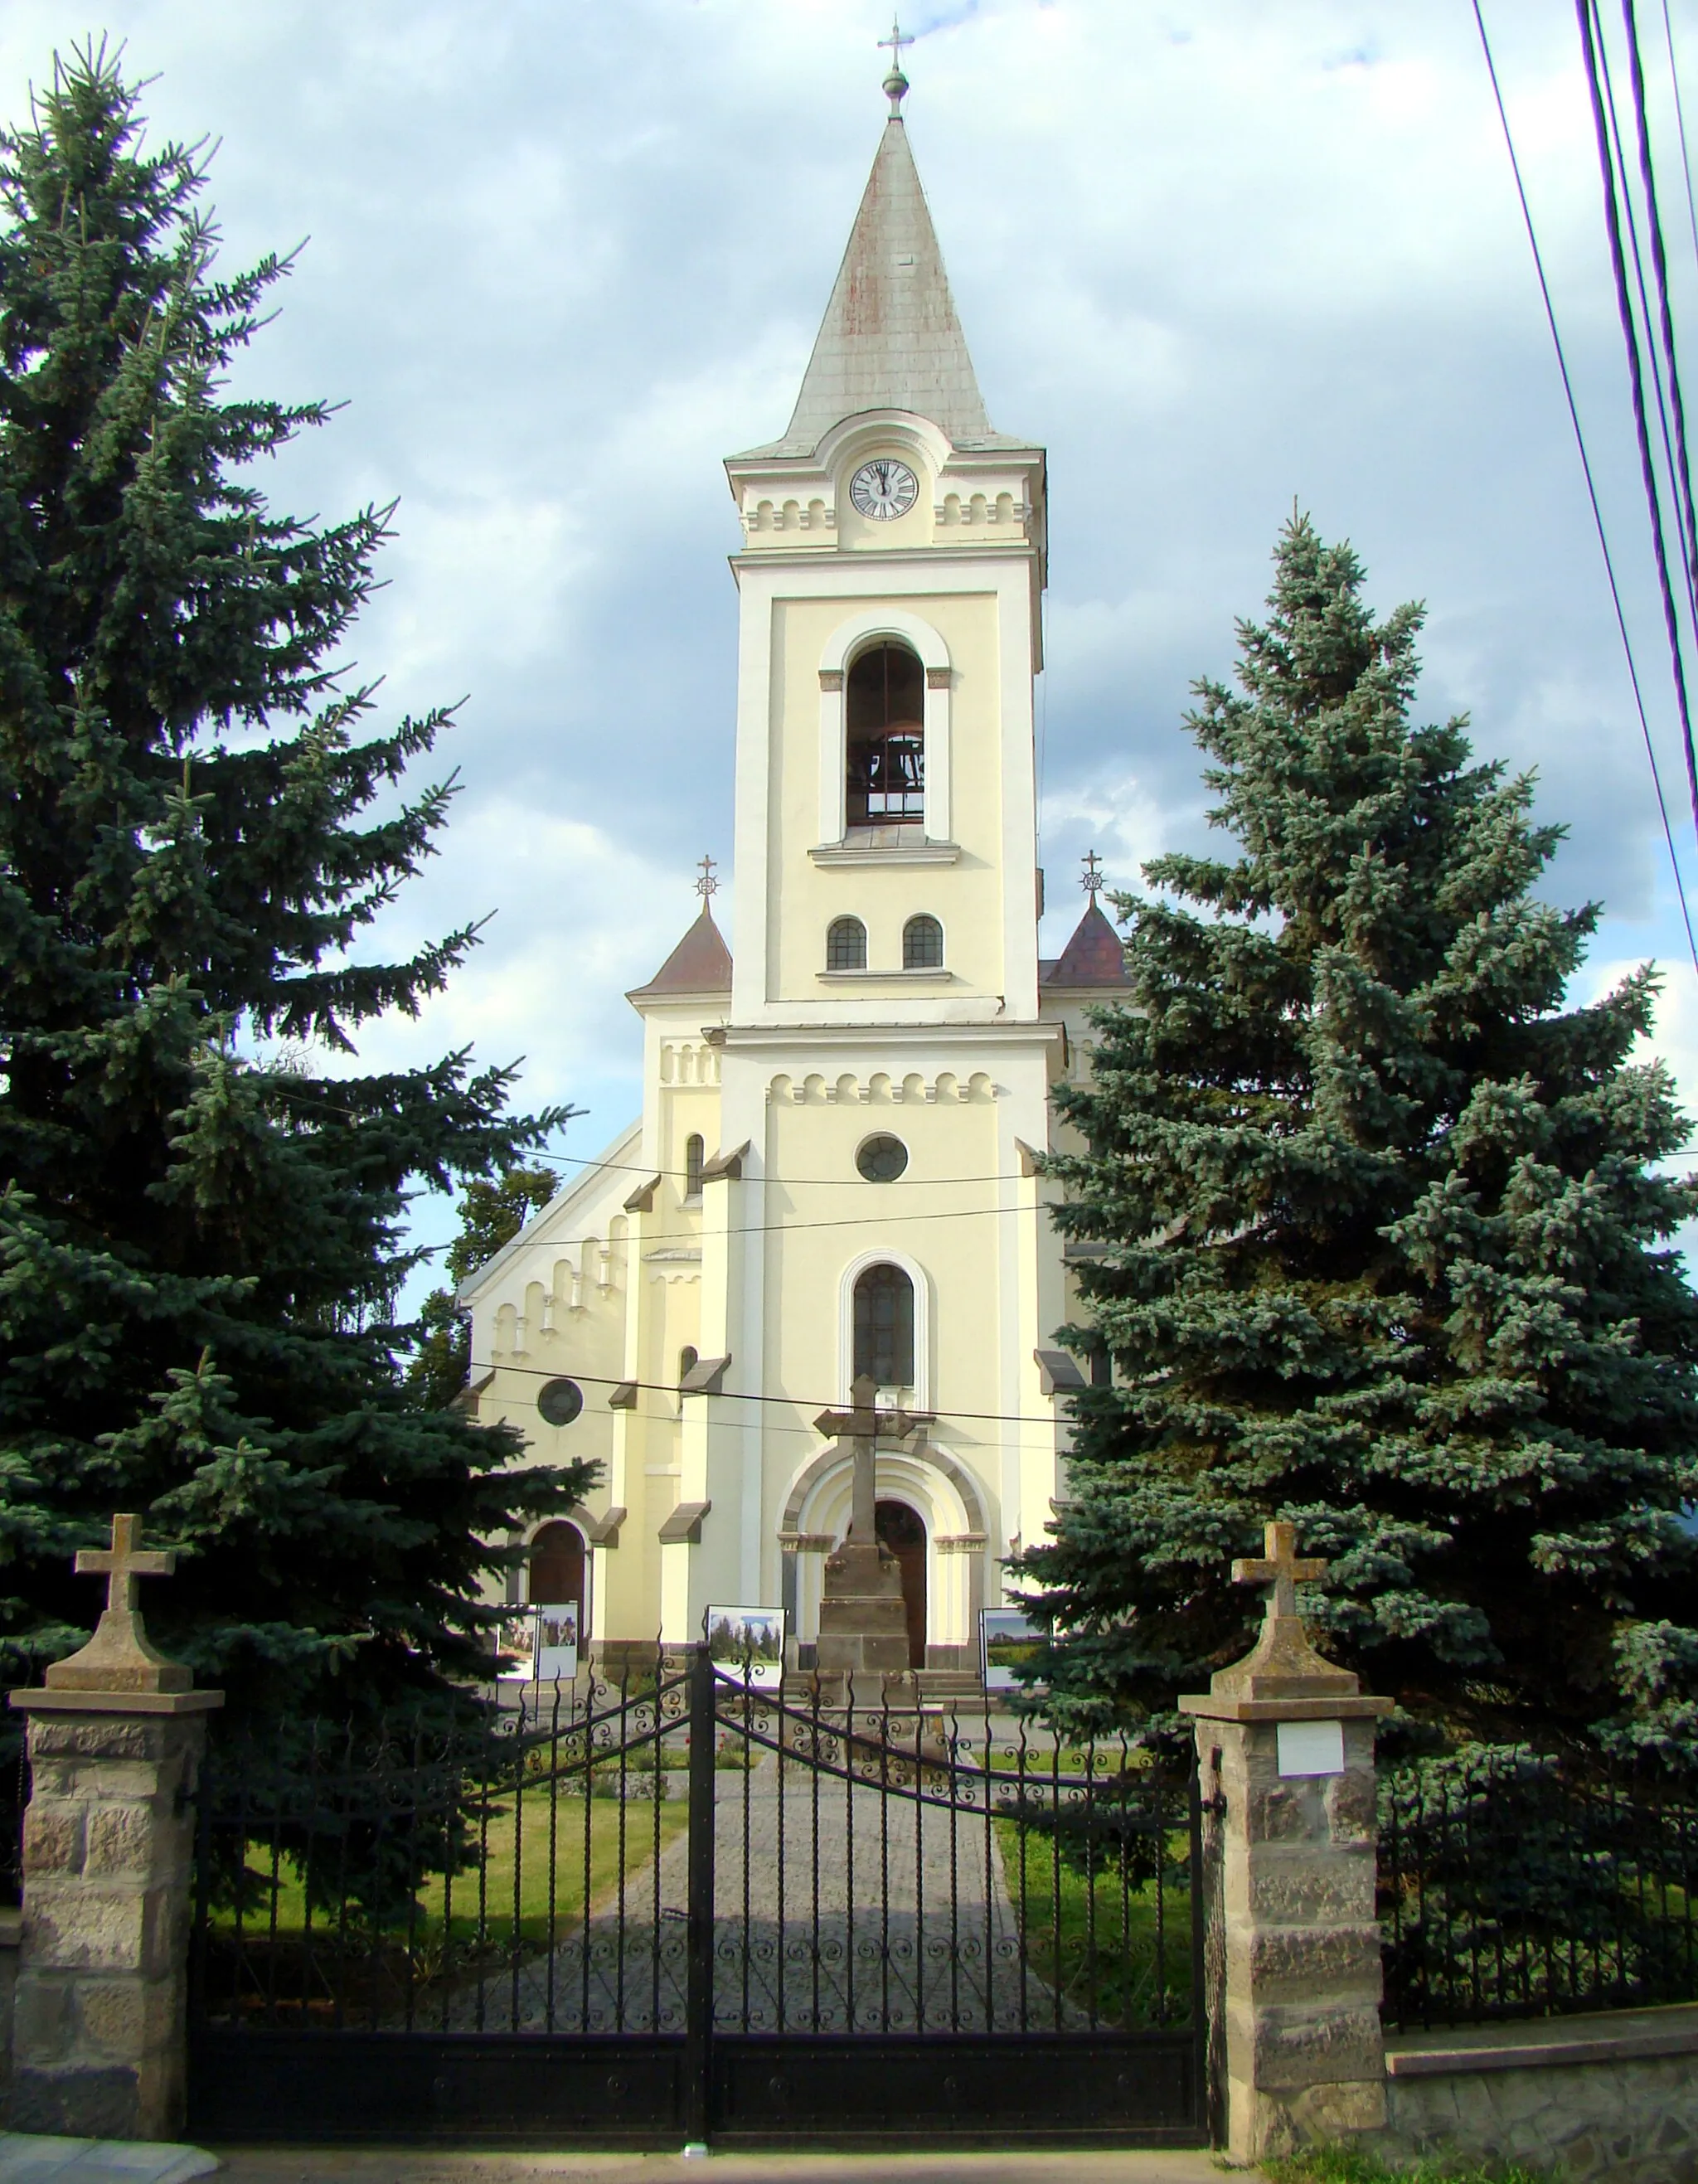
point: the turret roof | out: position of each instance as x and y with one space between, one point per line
699 964
890 338
1093 957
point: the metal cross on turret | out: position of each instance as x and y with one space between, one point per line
707 884
895 84
1280 1566
1092 879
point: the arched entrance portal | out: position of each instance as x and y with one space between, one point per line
556 1573
904 1532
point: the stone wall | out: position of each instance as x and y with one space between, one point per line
1613 2096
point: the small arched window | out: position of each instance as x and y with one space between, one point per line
885 745
922 944
695 1152
884 1327
686 1360
846 944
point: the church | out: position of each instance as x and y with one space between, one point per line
832 1174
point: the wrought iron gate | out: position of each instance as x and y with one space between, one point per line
678 1906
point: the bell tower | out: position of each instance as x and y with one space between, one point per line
832 1185
890 582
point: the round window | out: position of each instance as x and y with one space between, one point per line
882 1159
561 1402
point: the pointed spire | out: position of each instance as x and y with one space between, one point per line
890 338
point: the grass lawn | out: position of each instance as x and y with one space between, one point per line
526 1894
1120 1954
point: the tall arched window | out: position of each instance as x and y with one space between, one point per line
846 944
922 944
695 1152
884 1327
886 753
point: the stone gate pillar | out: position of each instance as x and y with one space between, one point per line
99 2032
1285 1744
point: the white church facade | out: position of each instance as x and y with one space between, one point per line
832 1172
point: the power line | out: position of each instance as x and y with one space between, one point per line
1612 220
732 1396
868 1221
825 1182
1680 125
1659 260
1592 489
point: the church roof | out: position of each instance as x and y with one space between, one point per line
890 338
1093 957
699 964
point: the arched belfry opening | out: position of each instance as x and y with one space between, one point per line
885 757
884 1326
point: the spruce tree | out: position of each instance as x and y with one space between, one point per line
1381 1246
202 1195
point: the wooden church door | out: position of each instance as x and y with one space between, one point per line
904 1532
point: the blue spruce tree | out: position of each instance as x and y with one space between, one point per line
1384 1245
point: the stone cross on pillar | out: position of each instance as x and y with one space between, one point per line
861 1652
1285 1740
863 1426
120 1657
99 2036
1278 1566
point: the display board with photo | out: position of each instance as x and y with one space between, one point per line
557 1642
1007 1638
516 1642
747 1643
541 1643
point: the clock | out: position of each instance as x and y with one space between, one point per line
884 488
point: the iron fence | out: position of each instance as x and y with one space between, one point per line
1515 1884
531 1871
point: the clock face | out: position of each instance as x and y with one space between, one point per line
884 488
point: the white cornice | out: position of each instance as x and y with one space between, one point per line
752 1039
873 559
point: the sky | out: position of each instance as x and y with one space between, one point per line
1221 257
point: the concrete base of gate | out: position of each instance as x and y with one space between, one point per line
29 2157
299 2164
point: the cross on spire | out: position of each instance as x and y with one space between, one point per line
122 1564
1280 1566
895 84
707 884
1094 878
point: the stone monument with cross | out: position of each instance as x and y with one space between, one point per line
861 1658
1285 1743
115 1740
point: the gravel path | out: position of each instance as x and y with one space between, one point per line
835 1910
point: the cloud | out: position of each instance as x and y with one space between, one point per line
1218 257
